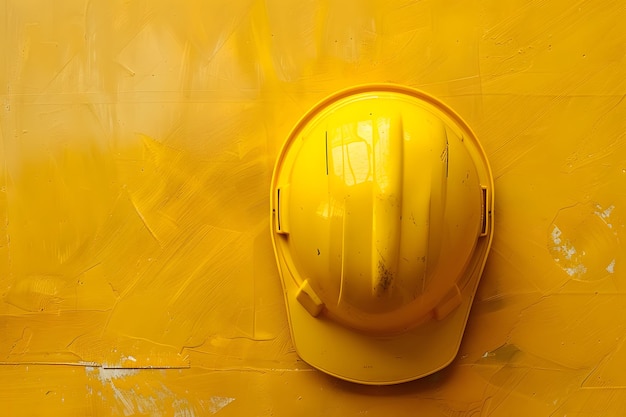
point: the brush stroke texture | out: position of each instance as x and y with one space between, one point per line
137 141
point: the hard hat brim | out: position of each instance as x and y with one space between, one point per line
378 360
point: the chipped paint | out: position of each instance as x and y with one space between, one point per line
584 243
137 143
217 403
605 214
565 254
610 268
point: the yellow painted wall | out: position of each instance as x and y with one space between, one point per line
138 138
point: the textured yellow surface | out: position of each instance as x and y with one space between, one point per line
138 137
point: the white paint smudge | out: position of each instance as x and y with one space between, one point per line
566 248
604 214
569 251
182 408
217 403
565 254
577 270
129 402
611 267
556 236
130 399
109 374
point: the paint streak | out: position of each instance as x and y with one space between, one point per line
132 395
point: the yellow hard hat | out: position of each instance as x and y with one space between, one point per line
381 220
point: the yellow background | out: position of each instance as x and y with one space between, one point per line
138 138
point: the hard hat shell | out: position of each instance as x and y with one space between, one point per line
381 219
